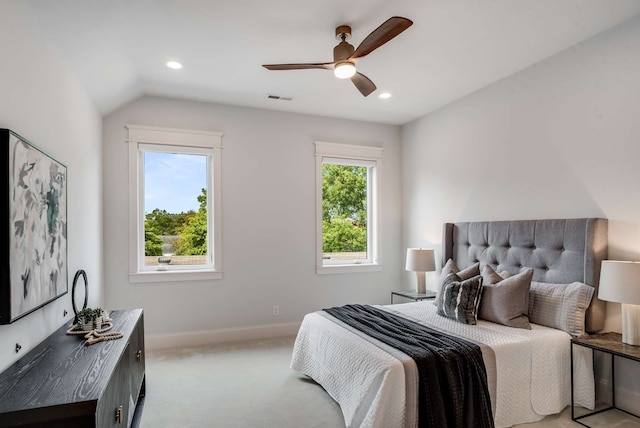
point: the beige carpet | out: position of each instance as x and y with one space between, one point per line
249 384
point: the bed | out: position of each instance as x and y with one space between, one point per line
527 369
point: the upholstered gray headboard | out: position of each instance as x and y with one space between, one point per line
560 251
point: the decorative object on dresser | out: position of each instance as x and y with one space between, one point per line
420 260
94 325
83 274
89 319
33 210
63 383
620 282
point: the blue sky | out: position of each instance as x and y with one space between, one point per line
173 182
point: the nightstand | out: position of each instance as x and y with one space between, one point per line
413 295
611 344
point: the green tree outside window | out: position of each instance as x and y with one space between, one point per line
190 227
344 208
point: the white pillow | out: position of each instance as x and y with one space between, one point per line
561 306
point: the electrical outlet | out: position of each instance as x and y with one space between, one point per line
276 310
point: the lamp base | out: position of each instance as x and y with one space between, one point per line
421 286
631 324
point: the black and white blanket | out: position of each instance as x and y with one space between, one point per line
452 384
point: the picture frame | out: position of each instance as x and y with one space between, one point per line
33 219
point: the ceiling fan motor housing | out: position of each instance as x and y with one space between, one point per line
343 51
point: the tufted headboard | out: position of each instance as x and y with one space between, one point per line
560 251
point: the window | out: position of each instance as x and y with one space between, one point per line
347 207
175 196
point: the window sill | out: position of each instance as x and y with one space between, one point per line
323 270
171 276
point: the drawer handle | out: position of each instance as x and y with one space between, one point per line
119 414
139 355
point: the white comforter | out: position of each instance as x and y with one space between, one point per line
369 379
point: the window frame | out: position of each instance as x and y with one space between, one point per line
200 142
370 157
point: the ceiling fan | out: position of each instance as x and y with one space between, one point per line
345 55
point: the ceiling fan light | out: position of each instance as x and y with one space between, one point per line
344 70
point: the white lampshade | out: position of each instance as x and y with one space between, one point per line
620 282
420 260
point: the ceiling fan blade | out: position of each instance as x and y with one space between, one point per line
363 83
381 35
322 65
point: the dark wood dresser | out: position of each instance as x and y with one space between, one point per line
64 383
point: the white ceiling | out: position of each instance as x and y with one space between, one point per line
118 48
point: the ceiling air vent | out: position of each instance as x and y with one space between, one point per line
278 97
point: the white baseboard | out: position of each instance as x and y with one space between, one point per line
209 337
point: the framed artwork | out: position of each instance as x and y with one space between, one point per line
33 226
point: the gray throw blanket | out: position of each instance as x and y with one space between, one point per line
452 390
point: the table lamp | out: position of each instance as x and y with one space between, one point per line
620 282
420 260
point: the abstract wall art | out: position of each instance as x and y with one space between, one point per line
33 226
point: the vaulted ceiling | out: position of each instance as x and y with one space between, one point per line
118 48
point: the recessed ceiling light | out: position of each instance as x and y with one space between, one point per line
384 95
174 64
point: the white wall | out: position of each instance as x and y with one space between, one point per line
560 139
43 102
268 195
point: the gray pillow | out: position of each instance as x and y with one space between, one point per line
490 276
561 306
460 299
451 267
506 302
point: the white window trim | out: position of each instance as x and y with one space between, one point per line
138 134
335 151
